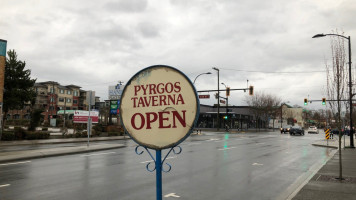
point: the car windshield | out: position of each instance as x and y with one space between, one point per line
296 127
312 127
288 126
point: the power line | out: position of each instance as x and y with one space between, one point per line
269 72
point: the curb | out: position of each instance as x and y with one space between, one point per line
41 142
326 146
44 154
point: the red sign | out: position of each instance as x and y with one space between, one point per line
205 96
81 116
159 107
222 101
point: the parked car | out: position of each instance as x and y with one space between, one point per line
313 129
296 130
285 129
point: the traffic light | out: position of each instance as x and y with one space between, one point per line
227 91
250 91
323 101
305 101
225 117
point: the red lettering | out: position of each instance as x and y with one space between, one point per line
169 87
140 101
161 119
134 101
180 99
154 100
149 120
172 99
152 88
133 124
144 89
180 118
137 88
162 99
147 102
177 87
160 88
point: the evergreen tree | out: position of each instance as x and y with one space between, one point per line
18 86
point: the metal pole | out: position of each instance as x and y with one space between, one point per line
89 120
350 93
218 117
64 113
159 174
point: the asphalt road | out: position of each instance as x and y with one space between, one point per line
214 166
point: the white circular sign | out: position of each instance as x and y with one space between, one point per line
159 107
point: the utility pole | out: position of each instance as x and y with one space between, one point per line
218 115
3 44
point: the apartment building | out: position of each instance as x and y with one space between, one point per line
52 97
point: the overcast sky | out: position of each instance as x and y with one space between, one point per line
95 44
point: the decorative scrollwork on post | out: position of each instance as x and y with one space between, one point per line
176 150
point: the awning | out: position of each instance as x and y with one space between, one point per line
61 112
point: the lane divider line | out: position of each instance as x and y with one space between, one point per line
6 185
152 160
227 148
97 154
15 163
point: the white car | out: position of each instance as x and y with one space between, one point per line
313 129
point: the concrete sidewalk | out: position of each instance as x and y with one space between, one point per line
325 184
41 153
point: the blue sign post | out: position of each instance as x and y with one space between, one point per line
3 47
159 108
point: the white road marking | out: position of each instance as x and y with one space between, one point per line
227 148
194 143
15 163
171 195
257 164
153 161
97 154
213 139
6 185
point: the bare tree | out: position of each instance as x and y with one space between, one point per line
263 106
336 85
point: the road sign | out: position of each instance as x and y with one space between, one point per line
222 101
159 107
327 133
81 116
205 96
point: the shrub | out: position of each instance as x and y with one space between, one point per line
8 135
31 135
20 133
113 134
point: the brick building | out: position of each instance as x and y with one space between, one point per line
52 97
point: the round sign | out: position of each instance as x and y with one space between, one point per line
159 107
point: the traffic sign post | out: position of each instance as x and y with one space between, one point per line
327 136
159 107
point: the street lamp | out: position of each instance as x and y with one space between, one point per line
227 103
350 84
199 75
218 116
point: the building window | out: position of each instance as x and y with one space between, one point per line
52 90
69 100
61 91
75 93
52 99
69 92
75 101
61 99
